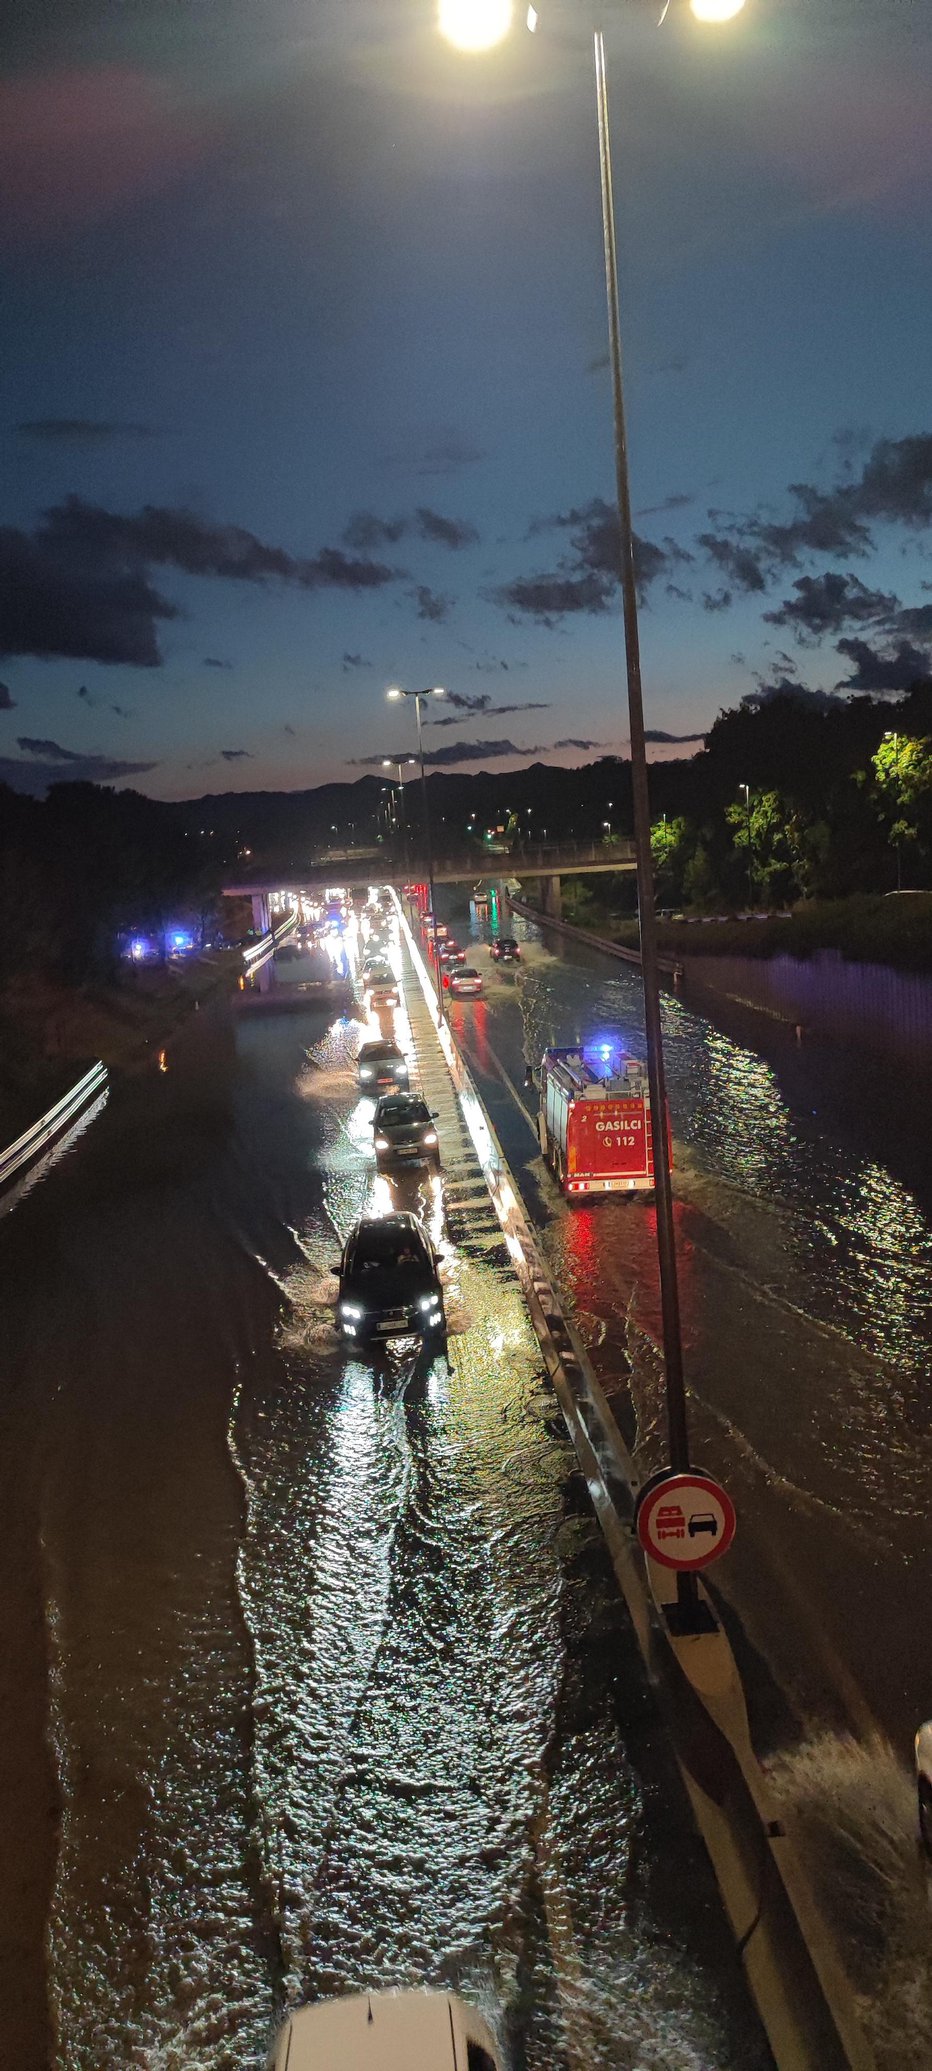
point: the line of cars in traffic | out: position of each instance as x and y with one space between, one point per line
389 1270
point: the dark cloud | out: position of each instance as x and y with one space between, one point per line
717 600
122 711
355 661
894 487
289 730
741 566
893 669
656 735
213 661
572 742
35 775
7 700
586 579
365 530
79 585
677 501
50 749
445 532
49 606
236 754
825 603
444 455
915 619
481 707
83 431
430 604
85 694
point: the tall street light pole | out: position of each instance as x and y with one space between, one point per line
473 27
436 691
746 788
390 763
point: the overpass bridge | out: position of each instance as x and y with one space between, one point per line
354 868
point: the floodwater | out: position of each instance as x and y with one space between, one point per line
803 1210
314 1674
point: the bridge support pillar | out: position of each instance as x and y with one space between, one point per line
260 912
551 896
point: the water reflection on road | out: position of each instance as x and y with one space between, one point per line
340 1690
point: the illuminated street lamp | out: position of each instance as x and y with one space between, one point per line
454 17
393 695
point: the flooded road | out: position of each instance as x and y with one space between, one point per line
333 1678
803 1191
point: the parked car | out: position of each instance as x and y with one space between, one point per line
381 1066
464 983
390 1281
505 950
403 1131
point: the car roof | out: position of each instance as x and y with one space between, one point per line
408 1100
467 971
380 1235
383 1048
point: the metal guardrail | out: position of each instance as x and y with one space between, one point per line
51 1124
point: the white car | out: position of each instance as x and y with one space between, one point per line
387 2031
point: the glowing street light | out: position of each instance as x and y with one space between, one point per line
716 10
474 25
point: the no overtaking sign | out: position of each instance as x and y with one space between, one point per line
685 1521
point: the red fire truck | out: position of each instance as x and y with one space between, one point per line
594 1120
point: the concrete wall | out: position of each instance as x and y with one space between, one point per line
866 1003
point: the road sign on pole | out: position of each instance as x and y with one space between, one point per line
685 1521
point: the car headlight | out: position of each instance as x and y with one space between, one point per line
430 1136
429 1301
365 1071
381 1143
351 1309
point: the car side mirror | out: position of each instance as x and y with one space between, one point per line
435 1114
336 1269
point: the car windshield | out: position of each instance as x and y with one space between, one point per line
379 974
391 1112
378 1053
382 1244
467 971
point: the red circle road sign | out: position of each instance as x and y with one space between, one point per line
685 1520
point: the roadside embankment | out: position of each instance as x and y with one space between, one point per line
810 969
50 1032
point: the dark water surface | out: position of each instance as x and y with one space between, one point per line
334 1680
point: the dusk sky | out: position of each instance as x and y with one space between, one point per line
304 387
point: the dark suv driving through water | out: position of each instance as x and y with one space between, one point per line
390 1282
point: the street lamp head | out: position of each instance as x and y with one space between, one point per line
394 693
437 691
716 10
474 25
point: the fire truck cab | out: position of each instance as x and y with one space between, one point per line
594 1120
